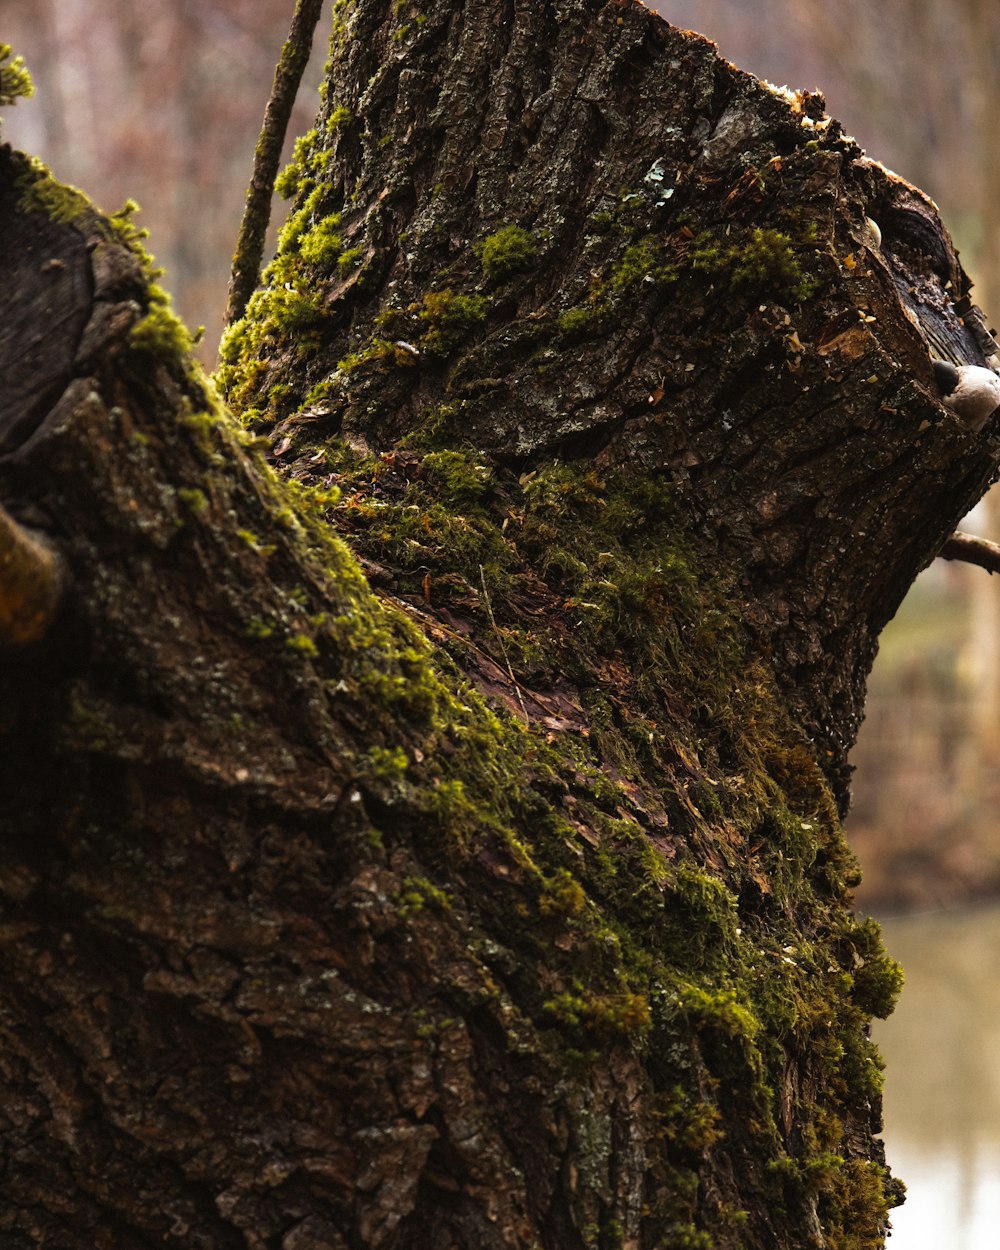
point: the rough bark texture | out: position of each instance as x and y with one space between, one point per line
505 905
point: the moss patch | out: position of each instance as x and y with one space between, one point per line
509 251
15 80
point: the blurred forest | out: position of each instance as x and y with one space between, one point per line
161 100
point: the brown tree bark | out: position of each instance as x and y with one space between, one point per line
500 900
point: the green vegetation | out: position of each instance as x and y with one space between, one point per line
509 251
193 499
448 317
645 951
763 259
323 244
41 193
161 333
348 260
15 80
289 179
643 262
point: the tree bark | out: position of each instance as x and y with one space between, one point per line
499 900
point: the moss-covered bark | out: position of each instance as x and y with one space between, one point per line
498 897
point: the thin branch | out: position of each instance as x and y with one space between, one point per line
32 584
257 212
973 551
496 630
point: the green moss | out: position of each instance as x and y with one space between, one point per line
302 644
878 979
387 763
161 334
298 223
418 895
601 1017
853 1204
340 116
461 478
194 499
349 259
760 259
15 80
670 876
562 896
133 237
255 544
645 261
688 1237
584 321
289 180
39 192
290 309
260 630
323 243
377 349
509 251
446 318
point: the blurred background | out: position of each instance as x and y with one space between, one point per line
161 100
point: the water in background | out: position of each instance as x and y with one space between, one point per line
942 1092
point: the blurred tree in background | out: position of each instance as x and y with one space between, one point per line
159 101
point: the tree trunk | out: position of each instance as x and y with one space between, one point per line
499 900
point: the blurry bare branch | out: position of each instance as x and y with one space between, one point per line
972 550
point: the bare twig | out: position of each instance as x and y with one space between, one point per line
493 621
32 582
973 551
257 212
